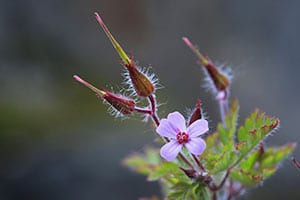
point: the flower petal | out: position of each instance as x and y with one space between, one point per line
196 146
165 129
177 121
197 128
170 150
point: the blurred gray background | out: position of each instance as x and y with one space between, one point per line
56 139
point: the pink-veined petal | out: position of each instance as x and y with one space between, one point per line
177 121
197 128
170 150
196 146
165 129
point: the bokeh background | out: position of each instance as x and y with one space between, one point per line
56 139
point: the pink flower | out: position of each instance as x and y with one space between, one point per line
174 128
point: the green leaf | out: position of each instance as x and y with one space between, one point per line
190 191
248 163
180 191
259 165
245 177
165 169
273 156
266 172
257 127
220 149
222 162
227 132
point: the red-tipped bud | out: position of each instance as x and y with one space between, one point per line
141 83
220 80
196 114
122 104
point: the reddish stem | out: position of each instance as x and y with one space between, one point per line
153 109
198 162
215 187
296 163
142 110
233 193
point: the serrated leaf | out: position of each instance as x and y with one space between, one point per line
273 156
257 127
246 178
218 160
249 162
259 165
223 162
266 172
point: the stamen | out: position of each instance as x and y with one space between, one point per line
182 137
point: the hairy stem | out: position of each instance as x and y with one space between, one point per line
142 110
222 98
153 109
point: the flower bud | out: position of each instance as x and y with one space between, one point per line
220 80
197 114
191 173
141 83
122 104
